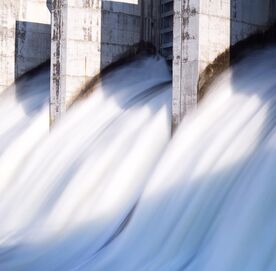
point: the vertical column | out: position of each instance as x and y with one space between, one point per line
185 58
58 59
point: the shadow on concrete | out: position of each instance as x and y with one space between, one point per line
263 30
32 46
125 27
49 5
120 30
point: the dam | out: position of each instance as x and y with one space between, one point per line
109 187
81 38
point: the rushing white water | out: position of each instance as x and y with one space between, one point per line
106 190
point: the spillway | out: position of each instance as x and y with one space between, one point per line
108 189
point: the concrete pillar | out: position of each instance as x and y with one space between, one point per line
58 58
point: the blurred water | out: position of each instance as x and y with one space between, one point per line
107 190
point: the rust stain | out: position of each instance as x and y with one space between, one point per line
207 77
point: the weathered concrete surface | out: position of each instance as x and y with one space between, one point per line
120 29
185 57
125 23
7 41
58 58
33 35
205 29
24 37
32 45
87 36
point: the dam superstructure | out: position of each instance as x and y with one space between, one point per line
83 37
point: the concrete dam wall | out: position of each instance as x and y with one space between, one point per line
205 29
86 36
25 35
